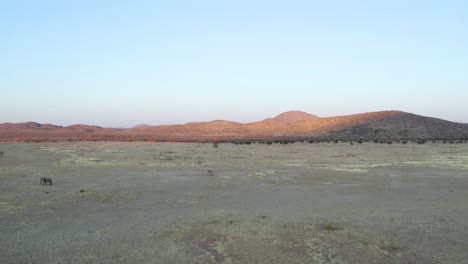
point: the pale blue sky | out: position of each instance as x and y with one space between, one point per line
120 63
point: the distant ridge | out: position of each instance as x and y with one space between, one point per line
140 125
291 124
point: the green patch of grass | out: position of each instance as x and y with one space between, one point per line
230 222
263 217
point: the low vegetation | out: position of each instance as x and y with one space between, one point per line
331 226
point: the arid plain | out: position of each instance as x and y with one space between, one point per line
193 203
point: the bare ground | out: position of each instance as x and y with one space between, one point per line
192 203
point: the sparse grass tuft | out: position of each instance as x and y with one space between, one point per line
263 217
365 243
395 247
331 226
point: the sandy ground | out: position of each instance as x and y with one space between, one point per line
297 203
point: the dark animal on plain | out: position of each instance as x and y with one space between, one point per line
1 154
46 180
210 173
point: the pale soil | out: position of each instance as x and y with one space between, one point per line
297 203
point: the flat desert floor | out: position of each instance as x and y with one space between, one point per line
192 203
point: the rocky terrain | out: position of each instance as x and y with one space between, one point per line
383 125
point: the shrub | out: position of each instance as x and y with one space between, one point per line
215 144
331 226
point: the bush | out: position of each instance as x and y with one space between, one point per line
331 227
215 144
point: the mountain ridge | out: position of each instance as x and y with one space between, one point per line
390 124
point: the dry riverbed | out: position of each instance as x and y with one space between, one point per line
192 203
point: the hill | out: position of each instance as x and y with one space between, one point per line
291 117
292 124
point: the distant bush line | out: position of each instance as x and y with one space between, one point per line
216 141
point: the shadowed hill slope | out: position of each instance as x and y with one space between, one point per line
405 125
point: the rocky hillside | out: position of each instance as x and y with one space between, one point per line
293 124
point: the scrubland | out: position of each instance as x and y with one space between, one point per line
257 203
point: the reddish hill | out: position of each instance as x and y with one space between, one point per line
291 117
84 128
27 126
293 124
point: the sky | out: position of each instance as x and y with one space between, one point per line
121 63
